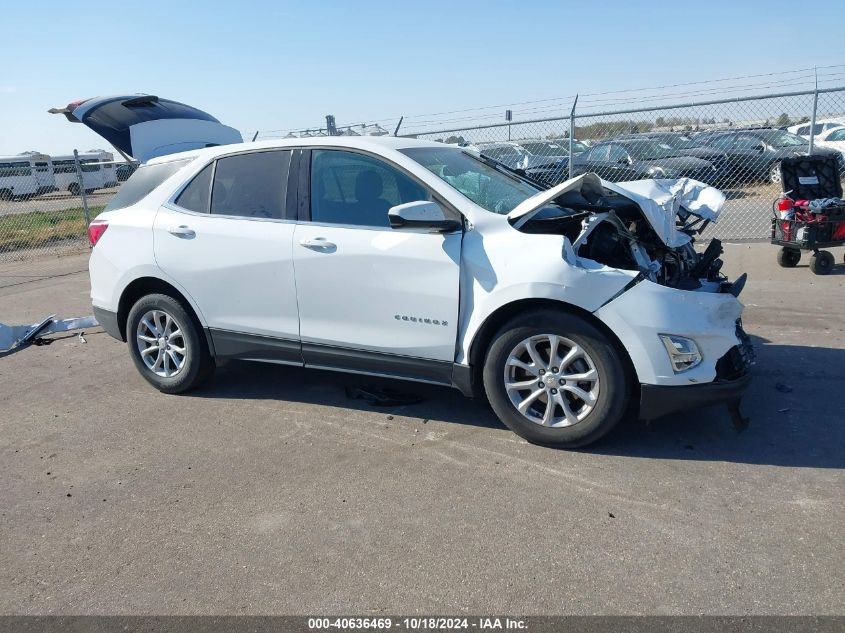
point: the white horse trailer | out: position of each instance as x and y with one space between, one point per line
42 168
17 178
93 174
108 164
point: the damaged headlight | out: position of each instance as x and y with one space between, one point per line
683 352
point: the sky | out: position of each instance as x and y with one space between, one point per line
285 65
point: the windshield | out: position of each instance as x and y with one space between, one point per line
482 183
648 150
676 141
782 139
560 148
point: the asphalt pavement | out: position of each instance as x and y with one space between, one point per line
271 491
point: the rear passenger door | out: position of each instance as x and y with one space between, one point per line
226 238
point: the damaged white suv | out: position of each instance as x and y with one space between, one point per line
397 257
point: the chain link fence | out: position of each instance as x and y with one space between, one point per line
46 204
733 144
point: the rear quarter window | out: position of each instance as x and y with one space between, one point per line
142 182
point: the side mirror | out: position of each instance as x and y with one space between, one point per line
421 214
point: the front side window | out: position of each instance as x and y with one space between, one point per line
618 153
356 189
598 154
252 185
721 142
804 129
480 181
838 135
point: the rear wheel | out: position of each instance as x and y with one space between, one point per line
822 262
789 257
167 345
555 379
774 174
5 194
73 189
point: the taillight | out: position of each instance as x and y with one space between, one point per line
96 230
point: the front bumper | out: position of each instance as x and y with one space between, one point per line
659 400
732 379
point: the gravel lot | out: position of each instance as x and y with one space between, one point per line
269 491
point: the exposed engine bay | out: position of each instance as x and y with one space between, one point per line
609 223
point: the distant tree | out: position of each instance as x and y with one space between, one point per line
804 119
660 121
783 119
455 139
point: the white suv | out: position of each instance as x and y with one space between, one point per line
421 261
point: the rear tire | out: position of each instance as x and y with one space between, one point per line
520 368
788 257
774 173
822 263
5 194
73 189
167 344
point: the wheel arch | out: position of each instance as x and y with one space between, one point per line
143 286
495 320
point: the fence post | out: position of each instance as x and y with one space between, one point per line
815 106
572 133
82 193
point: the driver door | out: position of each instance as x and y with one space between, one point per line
371 298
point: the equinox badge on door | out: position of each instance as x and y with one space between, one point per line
402 317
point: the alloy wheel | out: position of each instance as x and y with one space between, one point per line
161 343
551 381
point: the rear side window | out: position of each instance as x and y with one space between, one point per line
196 195
142 182
251 185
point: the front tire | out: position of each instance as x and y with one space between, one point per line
167 345
556 380
774 173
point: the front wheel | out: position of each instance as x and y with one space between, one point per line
166 344
555 379
774 174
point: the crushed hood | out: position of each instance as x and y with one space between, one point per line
144 126
659 200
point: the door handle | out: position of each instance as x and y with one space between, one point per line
320 243
182 231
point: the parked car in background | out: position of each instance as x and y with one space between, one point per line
548 169
682 145
803 129
756 153
123 171
833 138
559 147
623 159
